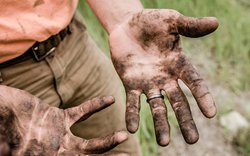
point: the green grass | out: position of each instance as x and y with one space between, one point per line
241 142
229 47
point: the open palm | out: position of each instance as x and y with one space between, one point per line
148 57
32 127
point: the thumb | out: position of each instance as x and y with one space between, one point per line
196 27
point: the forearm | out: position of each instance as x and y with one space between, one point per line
113 12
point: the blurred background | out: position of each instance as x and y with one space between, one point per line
223 59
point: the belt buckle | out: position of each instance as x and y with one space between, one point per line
39 58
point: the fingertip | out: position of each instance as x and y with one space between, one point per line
122 154
121 136
190 133
191 136
192 139
210 24
132 122
213 22
132 127
162 133
109 99
211 113
197 27
164 140
207 105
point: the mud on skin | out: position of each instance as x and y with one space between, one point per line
30 127
153 61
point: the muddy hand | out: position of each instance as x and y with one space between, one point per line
4 146
32 127
148 57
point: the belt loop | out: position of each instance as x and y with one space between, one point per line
57 67
1 78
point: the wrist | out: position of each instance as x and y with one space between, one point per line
118 20
112 13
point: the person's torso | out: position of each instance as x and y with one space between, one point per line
23 22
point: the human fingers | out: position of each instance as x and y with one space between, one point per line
86 109
159 113
97 145
117 154
70 153
196 27
132 110
182 111
199 90
9 133
4 146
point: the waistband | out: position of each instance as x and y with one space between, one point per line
40 50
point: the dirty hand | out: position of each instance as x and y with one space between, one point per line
148 57
32 127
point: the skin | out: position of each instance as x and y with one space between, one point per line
147 55
30 127
4 147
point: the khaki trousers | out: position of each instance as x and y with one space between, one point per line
76 72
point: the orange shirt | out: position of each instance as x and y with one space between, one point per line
23 22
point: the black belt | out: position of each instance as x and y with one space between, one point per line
40 50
